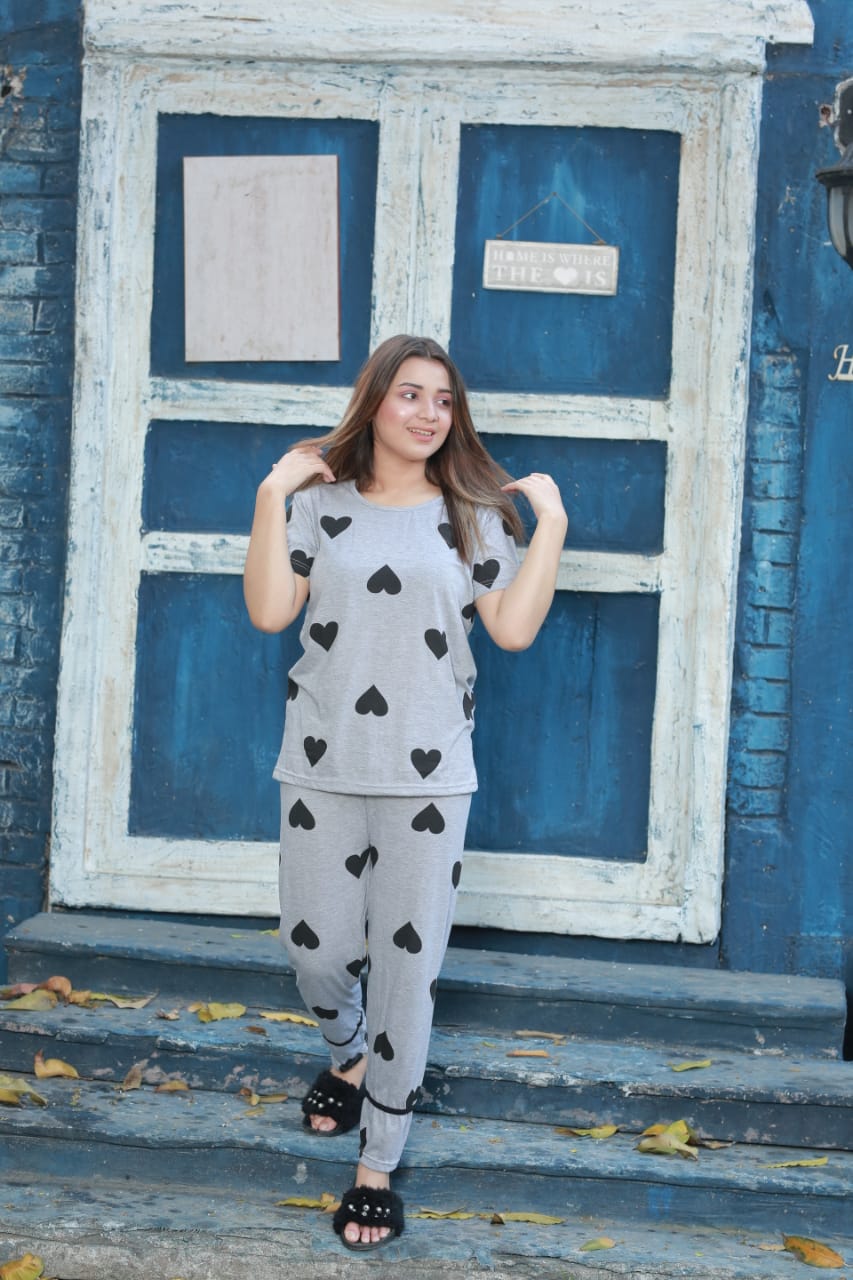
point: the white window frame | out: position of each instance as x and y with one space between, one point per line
703 86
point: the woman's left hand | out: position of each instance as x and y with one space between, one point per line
541 492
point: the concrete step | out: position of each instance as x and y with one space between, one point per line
650 1004
741 1097
207 1140
90 1229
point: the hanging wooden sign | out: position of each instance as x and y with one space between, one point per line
537 267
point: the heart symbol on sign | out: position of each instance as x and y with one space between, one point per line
429 819
407 939
565 275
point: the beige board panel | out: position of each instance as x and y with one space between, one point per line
261 258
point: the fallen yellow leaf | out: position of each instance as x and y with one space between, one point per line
133 1079
691 1066
772 1248
256 1099
258 1031
457 1215
121 1002
19 989
556 1037
269 933
666 1144
600 1242
298 1018
38 1001
601 1131
816 1163
679 1128
60 985
29 1267
528 1053
48 1068
538 1219
215 1012
9 1098
172 1086
171 1016
327 1203
79 997
812 1252
21 1088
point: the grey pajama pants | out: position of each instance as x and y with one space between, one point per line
383 868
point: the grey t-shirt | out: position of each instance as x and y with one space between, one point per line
382 700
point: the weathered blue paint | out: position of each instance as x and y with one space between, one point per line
201 477
569 773
209 703
355 142
39 129
614 489
624 183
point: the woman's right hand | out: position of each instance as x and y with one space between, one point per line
294 468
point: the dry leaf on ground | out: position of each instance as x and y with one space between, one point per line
30 1267
691 1066
37 1001
19 989
326 1204
528 1053
556 1037
216 1012
120 1002
600 1131
60 985
133 1079
173 1086
269 933
79 997
457 1215
171 1016
815 1163
258 1031
672 1140
537 1219
14 1088
48 1068
272 1015
812 1252
600 1242
257 1099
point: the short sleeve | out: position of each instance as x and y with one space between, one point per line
302 531
496 560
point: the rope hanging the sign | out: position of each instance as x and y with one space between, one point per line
553 196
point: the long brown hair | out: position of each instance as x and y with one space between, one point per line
467 476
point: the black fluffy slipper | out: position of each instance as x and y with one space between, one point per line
370 1207
338 1099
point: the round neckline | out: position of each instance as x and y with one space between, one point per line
384 506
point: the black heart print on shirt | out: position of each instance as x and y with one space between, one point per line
334 525
436 642
426 762
301 562
446 531
324 634
371 702
384 579
468 705
487 572
315 749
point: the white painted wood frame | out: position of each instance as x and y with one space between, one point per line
699 81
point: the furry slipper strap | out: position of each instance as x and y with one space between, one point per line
338 1099
370 1207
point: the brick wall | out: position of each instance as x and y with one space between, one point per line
39 127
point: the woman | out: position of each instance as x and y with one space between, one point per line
401 527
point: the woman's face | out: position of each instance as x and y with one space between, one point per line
416 414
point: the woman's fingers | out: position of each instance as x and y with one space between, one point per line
541 491
295 467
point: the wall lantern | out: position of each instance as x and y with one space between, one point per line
838 180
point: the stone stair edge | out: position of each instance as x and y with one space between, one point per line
504 973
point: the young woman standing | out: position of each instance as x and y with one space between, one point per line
402 529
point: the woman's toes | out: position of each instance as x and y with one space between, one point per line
352 1232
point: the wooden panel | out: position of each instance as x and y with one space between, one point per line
355 143
624 183
261 278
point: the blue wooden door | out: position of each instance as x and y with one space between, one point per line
589 815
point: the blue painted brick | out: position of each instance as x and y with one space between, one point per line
31 714
22 849
54 214
10 638
33 379
16 316
60 179
769 441
772 696
19 246
11 513
48 83
755 802
28 282
756 731
58 246
775 479
762 769
11 579
775 515
766 583
53 313
777 548
15 611
780 626
34 146
19 179
769 663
